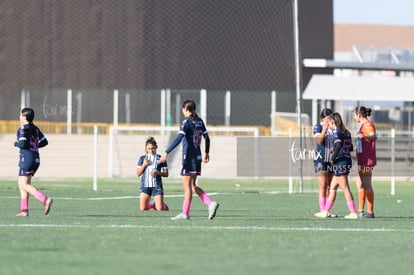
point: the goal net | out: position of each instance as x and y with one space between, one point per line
127 143
284 124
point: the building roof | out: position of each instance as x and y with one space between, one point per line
360 88
348 35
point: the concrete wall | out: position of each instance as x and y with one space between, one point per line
230 157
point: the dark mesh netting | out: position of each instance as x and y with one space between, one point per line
214 44
142 46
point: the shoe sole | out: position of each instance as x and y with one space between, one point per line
321 216
179 219
21 214
214 213
48 207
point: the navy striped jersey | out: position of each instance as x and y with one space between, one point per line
154 163
325 149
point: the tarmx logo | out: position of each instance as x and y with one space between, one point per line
303 154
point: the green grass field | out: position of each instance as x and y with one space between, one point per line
259 229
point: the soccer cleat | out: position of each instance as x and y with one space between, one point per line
151 205
361 213
368 216
351 216
48 205
322 214
331 215
165 207
22 214
212 210
180 216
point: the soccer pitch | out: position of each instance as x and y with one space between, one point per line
259 229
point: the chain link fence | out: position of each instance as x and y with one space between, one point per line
140 47
83 108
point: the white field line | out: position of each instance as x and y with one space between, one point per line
209 228
235 228
107 198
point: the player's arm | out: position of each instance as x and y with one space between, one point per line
43 141
368 133
370 137
206 156
320 137
337 147
207 145
163 172
142 164
21 139
174 144
20 143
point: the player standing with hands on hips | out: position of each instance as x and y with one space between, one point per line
191 132
29 140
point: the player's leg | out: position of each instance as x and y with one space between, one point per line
24 198
361 191
322 178
144 201
333 187
366 180
205 198
201 194
343 183
188 195
159 203
330 200
25 182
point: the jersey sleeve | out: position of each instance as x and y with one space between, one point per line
337 145
207 145
140 160
206 139
175 142
368 129
178 138
42 139
20 138
317 129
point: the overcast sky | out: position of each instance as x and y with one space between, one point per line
383 12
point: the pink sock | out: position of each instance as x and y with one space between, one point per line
322 202
186 208
205 198
328 205
351 206
24 204
151 206
40 196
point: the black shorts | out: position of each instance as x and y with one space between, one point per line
341 167
28 164
191 167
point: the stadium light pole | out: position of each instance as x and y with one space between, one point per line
298 84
